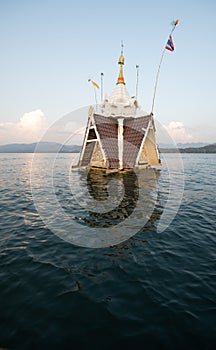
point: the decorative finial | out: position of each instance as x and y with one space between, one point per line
121 63
122 47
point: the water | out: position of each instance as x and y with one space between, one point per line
154 291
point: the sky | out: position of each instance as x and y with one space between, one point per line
50 48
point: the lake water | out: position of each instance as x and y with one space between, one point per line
155 290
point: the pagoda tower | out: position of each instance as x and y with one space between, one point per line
116 138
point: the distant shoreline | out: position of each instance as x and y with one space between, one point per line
32 152
186 150
54 147
171 151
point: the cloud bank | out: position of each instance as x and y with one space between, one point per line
178 132
29 128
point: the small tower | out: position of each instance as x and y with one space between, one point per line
116 138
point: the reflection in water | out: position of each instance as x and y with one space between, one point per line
97 183
119 194
135 185
92 209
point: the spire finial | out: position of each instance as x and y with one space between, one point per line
122 47
121 63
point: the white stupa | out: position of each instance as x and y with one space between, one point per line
116 138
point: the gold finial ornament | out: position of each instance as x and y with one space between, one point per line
121 63
121 59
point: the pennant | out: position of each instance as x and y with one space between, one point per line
170 45
174 23
94 84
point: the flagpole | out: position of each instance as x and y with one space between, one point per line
95 93
158 71
102 75
137 80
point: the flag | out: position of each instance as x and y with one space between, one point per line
174 23
170 45
94 84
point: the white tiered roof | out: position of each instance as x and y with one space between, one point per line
120 102
120 95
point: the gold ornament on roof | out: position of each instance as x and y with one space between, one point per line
121 59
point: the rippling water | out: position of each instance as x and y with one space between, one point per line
154 291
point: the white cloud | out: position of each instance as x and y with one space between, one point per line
29 128
178 132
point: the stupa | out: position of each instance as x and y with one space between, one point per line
117 138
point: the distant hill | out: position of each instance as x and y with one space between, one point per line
40 147
205 149
54 147
184 145
192 144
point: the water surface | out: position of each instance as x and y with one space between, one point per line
154 291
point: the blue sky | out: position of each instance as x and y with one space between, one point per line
49 49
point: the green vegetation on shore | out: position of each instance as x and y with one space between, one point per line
205 149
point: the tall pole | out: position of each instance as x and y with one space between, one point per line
158 71
102 75
137 80
95 93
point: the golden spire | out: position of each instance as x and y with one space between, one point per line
121 63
